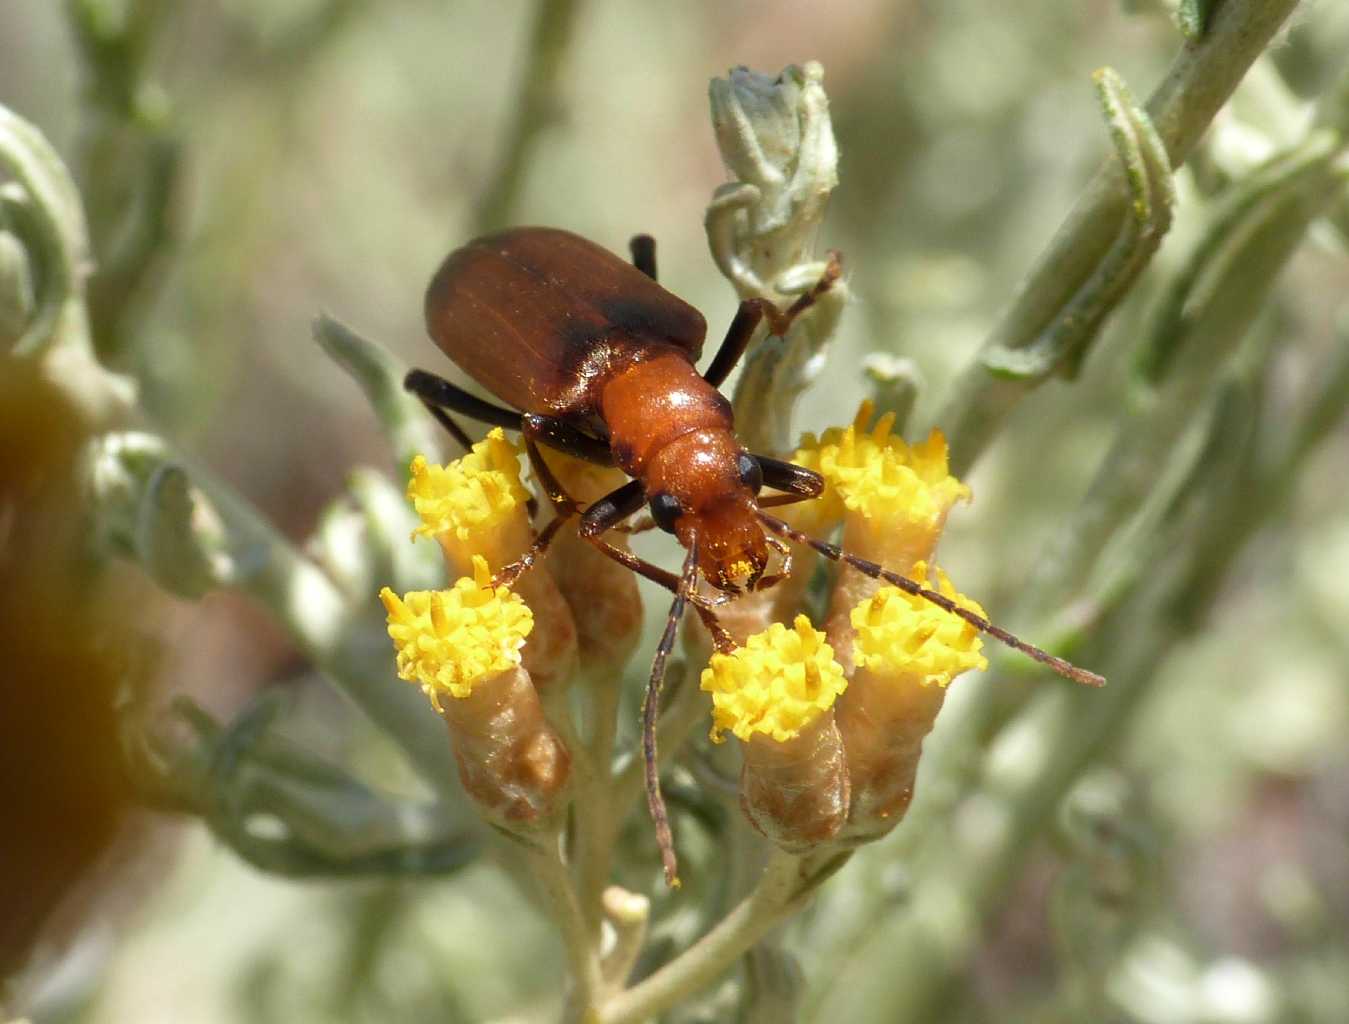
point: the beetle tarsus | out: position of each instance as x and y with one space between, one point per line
508 574
780 322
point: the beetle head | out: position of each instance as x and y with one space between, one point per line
732 552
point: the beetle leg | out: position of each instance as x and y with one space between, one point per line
784 570
752 311
512 571
799 483
563 503
440 393
605 514
451 427
738 335
564 507
833 270
535 429
558 433
655 800
643 248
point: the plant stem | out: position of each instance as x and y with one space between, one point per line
59 243
598 817
1233 286
628 914
333 632
1199 82
555 881
775 898
410 430
536 108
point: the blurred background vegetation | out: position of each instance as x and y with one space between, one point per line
246 164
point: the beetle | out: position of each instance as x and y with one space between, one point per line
592 357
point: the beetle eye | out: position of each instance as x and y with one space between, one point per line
665 509
751 473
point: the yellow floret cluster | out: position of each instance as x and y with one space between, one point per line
869 470
471 494
775 685
897 632
449 640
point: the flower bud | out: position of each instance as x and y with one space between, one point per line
776 694
463 647
776 139
511 761
907 651
477 506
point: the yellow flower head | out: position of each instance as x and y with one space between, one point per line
449 640
776 685
898 633
875 474
474 494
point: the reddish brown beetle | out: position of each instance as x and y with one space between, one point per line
600 361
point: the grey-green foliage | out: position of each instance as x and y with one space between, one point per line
1181 358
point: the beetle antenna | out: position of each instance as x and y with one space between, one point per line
878 572
655 802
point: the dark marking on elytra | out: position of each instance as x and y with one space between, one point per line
641 318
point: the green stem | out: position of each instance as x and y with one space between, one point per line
1199 82
777 896
379 373
1256 239
535 109
1158 418
582 959
629 915
129 125
598 817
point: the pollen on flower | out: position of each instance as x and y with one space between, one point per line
869 470
474 493
449 640
775 685
897 632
